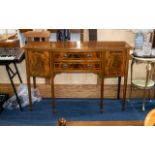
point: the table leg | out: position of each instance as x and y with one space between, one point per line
53 95
119 87
101 93
131 86
34 82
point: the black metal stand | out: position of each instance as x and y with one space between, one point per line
11 75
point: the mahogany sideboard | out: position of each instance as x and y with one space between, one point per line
107 59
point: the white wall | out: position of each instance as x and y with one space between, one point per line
116 35
9 31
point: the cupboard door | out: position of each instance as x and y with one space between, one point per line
114 63
39 63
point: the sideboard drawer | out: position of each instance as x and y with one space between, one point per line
77 56
66 66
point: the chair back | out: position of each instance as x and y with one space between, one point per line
31 36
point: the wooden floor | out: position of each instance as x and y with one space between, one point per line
104 123
77 91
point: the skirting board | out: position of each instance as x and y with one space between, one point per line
78 91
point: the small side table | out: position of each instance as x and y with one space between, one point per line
148 82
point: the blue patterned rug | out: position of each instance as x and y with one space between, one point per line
74 110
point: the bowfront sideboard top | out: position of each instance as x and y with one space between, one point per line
107 59
78 45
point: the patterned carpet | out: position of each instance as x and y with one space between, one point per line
74 110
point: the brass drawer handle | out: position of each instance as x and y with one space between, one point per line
89 55
89 65
66 55
65 65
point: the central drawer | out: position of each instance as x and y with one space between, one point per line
77 66
77 56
